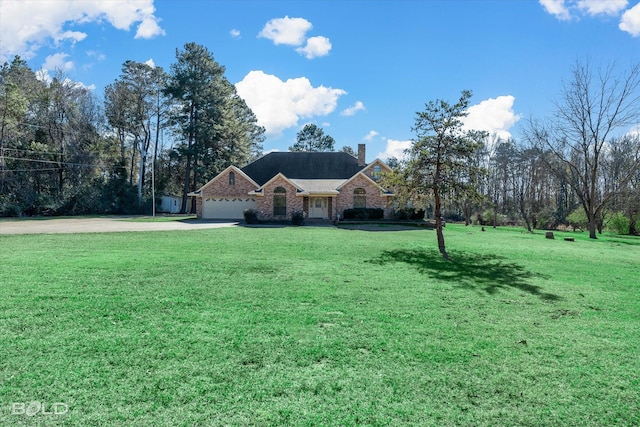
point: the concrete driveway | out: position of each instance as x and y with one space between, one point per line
102 225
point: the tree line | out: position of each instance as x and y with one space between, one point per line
579 168
155 131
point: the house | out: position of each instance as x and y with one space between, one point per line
321 184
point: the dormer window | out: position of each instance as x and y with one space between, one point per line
376 172
232 178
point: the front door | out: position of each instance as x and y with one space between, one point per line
318 207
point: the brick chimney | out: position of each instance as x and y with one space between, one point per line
362 154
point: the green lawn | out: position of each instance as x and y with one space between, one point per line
320 326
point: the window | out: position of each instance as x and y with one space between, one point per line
359 198
279 201
232 178
376 172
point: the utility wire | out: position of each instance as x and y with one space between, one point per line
29 170
49 162
30 151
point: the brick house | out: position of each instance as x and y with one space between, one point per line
320 184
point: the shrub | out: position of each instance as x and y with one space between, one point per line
297 217
486 218
10 209
363 214
577 219
414 214
250 216
545 219
453 216
619 223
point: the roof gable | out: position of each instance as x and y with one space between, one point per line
370 181
223 174
383 166
282 177
303 165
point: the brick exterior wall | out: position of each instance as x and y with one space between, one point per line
374 198
265 202
220 187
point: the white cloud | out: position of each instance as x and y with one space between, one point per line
149 28
235 33
395 149
279 105
44 76
293 32
565 10
28 25
57 61
315 47
494 115
358 106
97 55
556 8
602 7
372 134
630 21
289 31
73 36
150 62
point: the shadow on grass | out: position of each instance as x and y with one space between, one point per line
624 240
490 273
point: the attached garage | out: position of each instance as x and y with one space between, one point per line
226 207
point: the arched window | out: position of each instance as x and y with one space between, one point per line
232 178
279 201
359 198
376 172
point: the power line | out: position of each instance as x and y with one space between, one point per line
30 151
49 162
29 170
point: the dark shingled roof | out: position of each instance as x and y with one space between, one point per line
303 165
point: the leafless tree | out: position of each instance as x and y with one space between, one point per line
595 107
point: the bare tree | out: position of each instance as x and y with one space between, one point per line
594 108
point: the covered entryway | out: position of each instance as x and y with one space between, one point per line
227 207
318 207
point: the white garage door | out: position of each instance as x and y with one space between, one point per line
227 207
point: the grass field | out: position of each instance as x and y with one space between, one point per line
319 326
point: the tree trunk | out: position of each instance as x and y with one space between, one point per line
593 228
187 174
185 189
141 167
523 213
438 214
632 223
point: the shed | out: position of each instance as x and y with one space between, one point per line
170 204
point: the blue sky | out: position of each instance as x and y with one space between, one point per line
359 69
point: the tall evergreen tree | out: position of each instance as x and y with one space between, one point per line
312 138
214 123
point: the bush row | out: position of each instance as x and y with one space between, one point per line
363 214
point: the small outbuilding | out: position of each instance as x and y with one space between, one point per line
170 204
